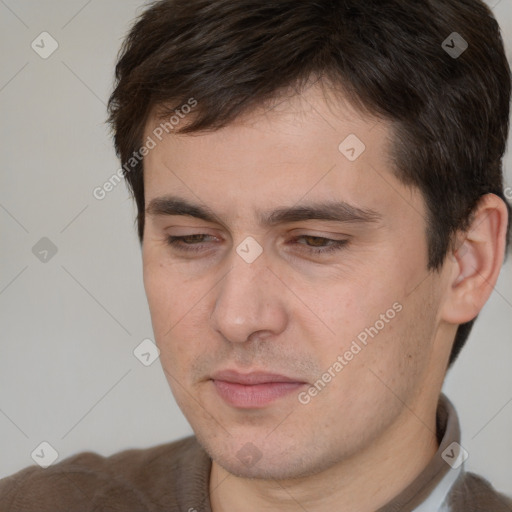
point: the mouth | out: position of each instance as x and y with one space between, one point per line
253 390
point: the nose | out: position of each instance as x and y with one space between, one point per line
250 299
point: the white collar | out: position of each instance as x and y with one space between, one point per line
436 502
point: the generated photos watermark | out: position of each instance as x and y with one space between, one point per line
151 142
356 347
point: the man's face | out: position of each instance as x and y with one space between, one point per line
360 321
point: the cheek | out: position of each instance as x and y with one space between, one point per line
159 298
177 307
348 306
166 300
369 317
166 289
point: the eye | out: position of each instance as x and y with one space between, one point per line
181 242
320 245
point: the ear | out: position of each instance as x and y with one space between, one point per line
477 261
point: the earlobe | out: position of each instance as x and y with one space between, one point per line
477 262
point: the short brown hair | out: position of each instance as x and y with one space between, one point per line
450 112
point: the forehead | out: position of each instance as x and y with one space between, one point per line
308 147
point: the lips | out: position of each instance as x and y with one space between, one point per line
253 390
252 378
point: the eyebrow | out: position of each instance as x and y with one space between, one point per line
337 211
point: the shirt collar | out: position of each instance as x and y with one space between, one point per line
430 488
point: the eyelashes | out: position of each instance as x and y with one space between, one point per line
180 244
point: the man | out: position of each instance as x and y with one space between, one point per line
322 217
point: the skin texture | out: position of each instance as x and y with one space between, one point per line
292 312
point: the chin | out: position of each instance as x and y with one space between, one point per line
285 470
266 461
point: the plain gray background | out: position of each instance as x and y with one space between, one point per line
69 325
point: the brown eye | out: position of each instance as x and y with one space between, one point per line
321 245
182 243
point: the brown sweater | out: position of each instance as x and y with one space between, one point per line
175 477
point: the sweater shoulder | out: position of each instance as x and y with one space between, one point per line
134 479
473 493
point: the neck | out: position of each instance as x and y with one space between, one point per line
365 482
